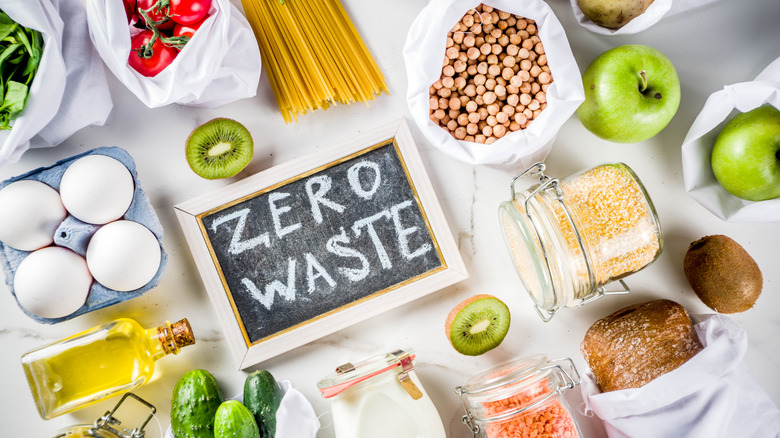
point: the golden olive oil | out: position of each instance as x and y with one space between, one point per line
99 363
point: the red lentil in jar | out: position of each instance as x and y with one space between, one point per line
569 239
522 398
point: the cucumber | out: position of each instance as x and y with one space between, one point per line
262 396
233 420
196 398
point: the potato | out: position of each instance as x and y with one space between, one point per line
613 14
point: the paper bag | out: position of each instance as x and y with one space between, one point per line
220 64
711 395
69 90
653 14
700 182
424 51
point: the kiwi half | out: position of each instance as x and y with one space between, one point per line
477 325
219 148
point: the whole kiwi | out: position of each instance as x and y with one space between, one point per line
723 274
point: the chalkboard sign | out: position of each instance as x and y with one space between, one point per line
313 245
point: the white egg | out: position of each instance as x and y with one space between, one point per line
30 212
52 282
123 255
97 189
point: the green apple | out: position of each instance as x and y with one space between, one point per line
746 155
631 94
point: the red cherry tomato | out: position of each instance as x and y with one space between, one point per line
162 55
187 29
155 14
129 9
189 11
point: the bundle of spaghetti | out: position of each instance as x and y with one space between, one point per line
313 55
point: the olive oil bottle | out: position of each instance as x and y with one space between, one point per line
99 363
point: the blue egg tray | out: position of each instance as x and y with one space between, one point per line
75 234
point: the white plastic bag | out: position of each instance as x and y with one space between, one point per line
424 50
220 64
69 90
711 395
700 182
653 14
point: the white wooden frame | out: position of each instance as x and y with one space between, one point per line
246 354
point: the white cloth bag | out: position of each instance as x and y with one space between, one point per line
700 182
69 90
653 14
220 64
711 395
424 51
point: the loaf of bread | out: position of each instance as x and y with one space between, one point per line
634 345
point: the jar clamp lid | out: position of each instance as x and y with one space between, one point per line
350 374
539 282
525 375
107 426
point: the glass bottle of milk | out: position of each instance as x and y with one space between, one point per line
381 397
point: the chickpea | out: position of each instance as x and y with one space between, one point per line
514 126
513 99
483 113
457 37
491 120
520 118
444 92
490 97
534 105
521 23
508 109
493 109
460 82
542 60
448 82
524 75
470 90
545 77
503 40
541 97
490 140
512 49
507 73
444 103
499 131
525 87
480 139
460 133
481 90
439 114
535 71
448 70
468 40
468 20
472 70
525 65
492 60
473 118
463 120
525 99
500 91
452 125
452 52
501 118
472 128
459 66
535 87
539 48
485 48
480 79
494 70
490 84
487 131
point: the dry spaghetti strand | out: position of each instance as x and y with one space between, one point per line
313 55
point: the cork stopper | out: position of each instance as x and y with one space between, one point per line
175 336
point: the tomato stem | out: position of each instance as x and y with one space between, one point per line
146 51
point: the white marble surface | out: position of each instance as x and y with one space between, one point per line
727 42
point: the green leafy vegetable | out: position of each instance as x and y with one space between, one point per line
20 54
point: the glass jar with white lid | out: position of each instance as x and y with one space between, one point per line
381 397
569 239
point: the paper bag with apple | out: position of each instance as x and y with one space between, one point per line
625 17
731 154
423 53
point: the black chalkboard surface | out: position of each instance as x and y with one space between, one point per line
310 246
319 242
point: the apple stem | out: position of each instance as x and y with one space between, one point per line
643 87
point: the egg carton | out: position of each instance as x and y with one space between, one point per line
75 234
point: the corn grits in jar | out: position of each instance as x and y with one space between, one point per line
521 398
568 239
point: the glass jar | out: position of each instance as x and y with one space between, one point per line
108 426
381 397
569 239
520 397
